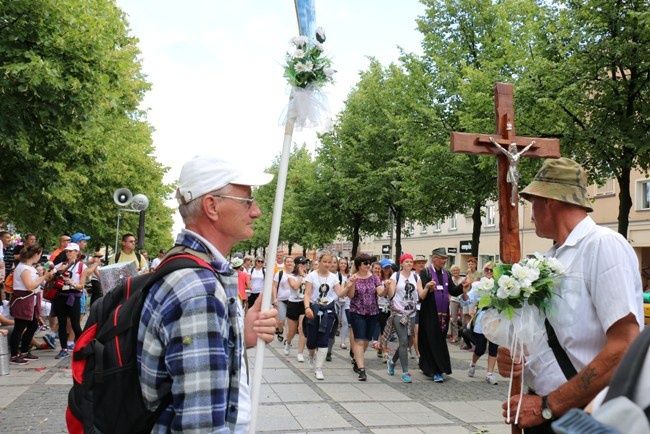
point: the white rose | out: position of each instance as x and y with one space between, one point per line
329 72
508 287
556 266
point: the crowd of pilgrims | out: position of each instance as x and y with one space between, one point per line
368 303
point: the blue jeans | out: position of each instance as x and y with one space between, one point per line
363 326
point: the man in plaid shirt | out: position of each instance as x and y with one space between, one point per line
192 330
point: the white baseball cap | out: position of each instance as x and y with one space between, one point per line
72 246
206 173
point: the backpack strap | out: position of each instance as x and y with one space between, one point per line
280 276
562 357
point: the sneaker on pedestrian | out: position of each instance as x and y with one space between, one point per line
287 345
311 362
62 354
411 354
355 368
328 357
319 374
490 379
344 347
49 340
406 377
438 378
391 367
17 360
300 357
29 356
464 347
362 374
471 371
71 346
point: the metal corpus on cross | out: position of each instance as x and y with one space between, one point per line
509 148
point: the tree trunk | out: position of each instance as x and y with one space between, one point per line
355 239
624 201
398 234
476 228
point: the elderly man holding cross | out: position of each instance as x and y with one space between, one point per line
596 313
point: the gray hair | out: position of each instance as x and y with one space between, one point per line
192 210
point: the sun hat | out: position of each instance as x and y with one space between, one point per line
404 256
440 251
236 262
420 258
72 246
205 173
75 238
386 263
560 179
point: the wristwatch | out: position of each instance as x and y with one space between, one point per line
547 414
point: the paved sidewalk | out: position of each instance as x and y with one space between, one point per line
33 397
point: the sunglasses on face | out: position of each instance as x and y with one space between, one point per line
488 270
365 262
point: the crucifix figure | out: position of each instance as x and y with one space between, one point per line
513 155
508 176
504 144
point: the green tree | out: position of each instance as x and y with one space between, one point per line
71 131
593 82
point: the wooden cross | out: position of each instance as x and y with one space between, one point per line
468 143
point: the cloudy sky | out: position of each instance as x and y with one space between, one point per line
216 68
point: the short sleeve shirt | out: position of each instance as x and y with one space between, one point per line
364 301
322 287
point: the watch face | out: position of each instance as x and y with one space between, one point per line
547 414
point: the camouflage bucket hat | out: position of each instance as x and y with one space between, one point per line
560 179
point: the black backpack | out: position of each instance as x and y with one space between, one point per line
106 395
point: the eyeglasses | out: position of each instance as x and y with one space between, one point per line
365 262
488 270
247 200
260 262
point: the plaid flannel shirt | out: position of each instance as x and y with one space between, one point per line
190 342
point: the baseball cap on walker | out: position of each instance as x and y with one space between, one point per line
206 173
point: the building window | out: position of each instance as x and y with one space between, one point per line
643 194
436 226
410 229
424 230
607 189
453 223
490 219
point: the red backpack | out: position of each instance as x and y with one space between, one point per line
106 395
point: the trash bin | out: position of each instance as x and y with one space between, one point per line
4 355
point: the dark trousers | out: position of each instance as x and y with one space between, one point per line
63 312
21 337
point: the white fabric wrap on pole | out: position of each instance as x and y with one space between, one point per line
270 264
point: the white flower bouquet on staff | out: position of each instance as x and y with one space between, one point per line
307 70
517 304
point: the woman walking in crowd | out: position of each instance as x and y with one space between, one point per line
296 307
334 268
384 311
471 297
343 307
404 289
321 289
67 304
281 292
257 280
25 305
363 289
455 309
468 310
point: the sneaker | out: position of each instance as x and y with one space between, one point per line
344 347
362 375
471 371
391 367
438 378
29 356
300 357
287 345
406 377
62 354
17 360
355 368
49 340
490 379
71 346
328 357
311 362
319 374
464 347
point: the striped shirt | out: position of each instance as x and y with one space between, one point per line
190 342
